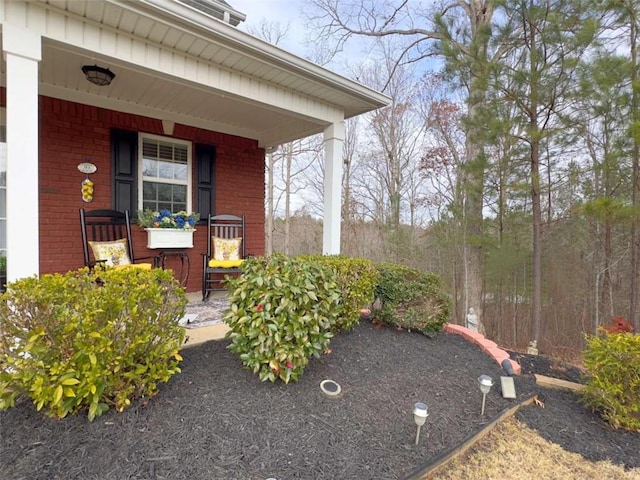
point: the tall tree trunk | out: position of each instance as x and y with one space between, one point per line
480 13
536 294
607 284
534 130
268 226
287 199
473 231
348 236
635 157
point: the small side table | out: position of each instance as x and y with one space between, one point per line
185 263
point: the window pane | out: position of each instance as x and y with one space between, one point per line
149 191
180 154
159 196
150 149
149 168
151 205
180 195
180 172
164 192
3 171
3 236
165 174
3 202
165 170
165 151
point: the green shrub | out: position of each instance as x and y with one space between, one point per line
410 299
612 362
357 279
89 340
282 311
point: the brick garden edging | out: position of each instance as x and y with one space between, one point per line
489 347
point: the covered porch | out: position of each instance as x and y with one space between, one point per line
183 80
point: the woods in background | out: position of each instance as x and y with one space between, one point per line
507 162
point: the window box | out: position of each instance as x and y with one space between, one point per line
169 238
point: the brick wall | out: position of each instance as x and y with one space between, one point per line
71 133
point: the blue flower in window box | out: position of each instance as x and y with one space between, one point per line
165 219
168 230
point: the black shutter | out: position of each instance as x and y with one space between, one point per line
124 154
206 180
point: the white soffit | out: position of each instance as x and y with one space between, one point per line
174 26
177 64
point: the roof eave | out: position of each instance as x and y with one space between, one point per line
257 48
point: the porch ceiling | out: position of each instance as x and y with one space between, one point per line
174 63
149 93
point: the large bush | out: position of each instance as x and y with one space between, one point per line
410 299
86 340
612 362
357 279
282 312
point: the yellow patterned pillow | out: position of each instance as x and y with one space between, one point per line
113 253
226 248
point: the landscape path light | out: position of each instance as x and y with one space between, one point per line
486 382
420 414
507 383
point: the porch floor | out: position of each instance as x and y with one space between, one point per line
196 336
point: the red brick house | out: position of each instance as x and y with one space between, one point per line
187 84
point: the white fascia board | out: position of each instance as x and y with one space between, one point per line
259 49
71 30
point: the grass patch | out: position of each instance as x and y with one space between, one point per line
513 450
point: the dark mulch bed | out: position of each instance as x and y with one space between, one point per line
549 366
566 422
217 421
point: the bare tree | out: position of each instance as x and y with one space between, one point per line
389 175
460 32
442 165
287 162
272 31
291 162
268 224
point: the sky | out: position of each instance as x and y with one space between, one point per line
358 51
281 11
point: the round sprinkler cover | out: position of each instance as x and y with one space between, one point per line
330 388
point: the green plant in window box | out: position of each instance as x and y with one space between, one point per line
165 219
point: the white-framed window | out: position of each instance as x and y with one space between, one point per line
164 180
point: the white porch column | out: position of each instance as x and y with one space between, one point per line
333 140
23 51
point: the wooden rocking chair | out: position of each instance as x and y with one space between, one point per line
106 239
225 251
